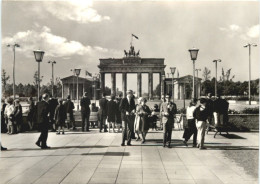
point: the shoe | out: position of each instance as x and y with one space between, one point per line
169 146
74 128
100 131
63 133
53 130
58 133
143 141
38 144
203 148
88 130
138 139
105 131
3 148
123 144
46 147
194 146
185 143
128 144
164 145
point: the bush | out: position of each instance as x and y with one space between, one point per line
250 110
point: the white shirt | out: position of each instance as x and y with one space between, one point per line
189 112
9 110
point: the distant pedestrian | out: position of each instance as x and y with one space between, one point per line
192 129
42 111
127 108
201 115
111 113
220 112
60 116
30 117
18 115
155 116
209 106
53 102
168 112
93 118
118 113
69 106
142 120
3 121
9 116
103 112
85 112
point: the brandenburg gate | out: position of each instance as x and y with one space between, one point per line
132 63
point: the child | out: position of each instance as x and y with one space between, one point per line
155 114
60 116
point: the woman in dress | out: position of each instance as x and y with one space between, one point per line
18 115
31 112
142 120
111 113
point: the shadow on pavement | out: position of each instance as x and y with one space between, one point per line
232 136
108 154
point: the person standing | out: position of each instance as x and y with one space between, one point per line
111 113
85 112
103 113
42 111
209 106
220 112
18 115
154 117
192 129
9 116
118 113
201 115
3 122
168 112
53 103
60 116
69 107
142 121
31 111
127 108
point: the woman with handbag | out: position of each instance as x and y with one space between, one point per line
9 116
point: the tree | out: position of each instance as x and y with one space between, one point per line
5 78
206 74
226 75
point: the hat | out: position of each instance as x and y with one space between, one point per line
68 97
85 94
129 92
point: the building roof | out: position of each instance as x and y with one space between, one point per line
73 77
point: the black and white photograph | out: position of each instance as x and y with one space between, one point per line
129 92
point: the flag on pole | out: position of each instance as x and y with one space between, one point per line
135 36
88 74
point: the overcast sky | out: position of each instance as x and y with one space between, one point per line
77 33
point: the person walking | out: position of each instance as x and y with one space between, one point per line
201 115
220 110
18 115
192 129
111 113
69 107
103 113
42 111
168 112
127 108
209 106
53 103
3 122
9 116
85 111
60 116
118 113
31 111
142 120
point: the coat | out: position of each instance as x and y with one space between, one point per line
85 103
118 112
18 114
53 103
168 112
69 106
126 107
42 112
31 111
103 107
142 119
111 111
60 115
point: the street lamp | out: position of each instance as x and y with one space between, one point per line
193 55
249 82
197 71
94 80
163 85
52 71
13 47
216 79
172 72
77 72
38 54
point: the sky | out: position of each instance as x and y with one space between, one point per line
77 33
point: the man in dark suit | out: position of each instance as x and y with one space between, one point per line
168 112
85 112
53 103
127 108
69 106
103 112
43 110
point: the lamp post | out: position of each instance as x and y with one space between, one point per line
38 54
197 71
172 72
163 85
249 82
193 55
13 47
216 79
77 72
94 79
52 73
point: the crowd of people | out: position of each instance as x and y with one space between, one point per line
134 119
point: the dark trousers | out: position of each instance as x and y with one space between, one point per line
85 121
43 136
167 132
126 130
191 130
131 125
103 123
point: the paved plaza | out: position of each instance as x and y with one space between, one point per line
80 158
